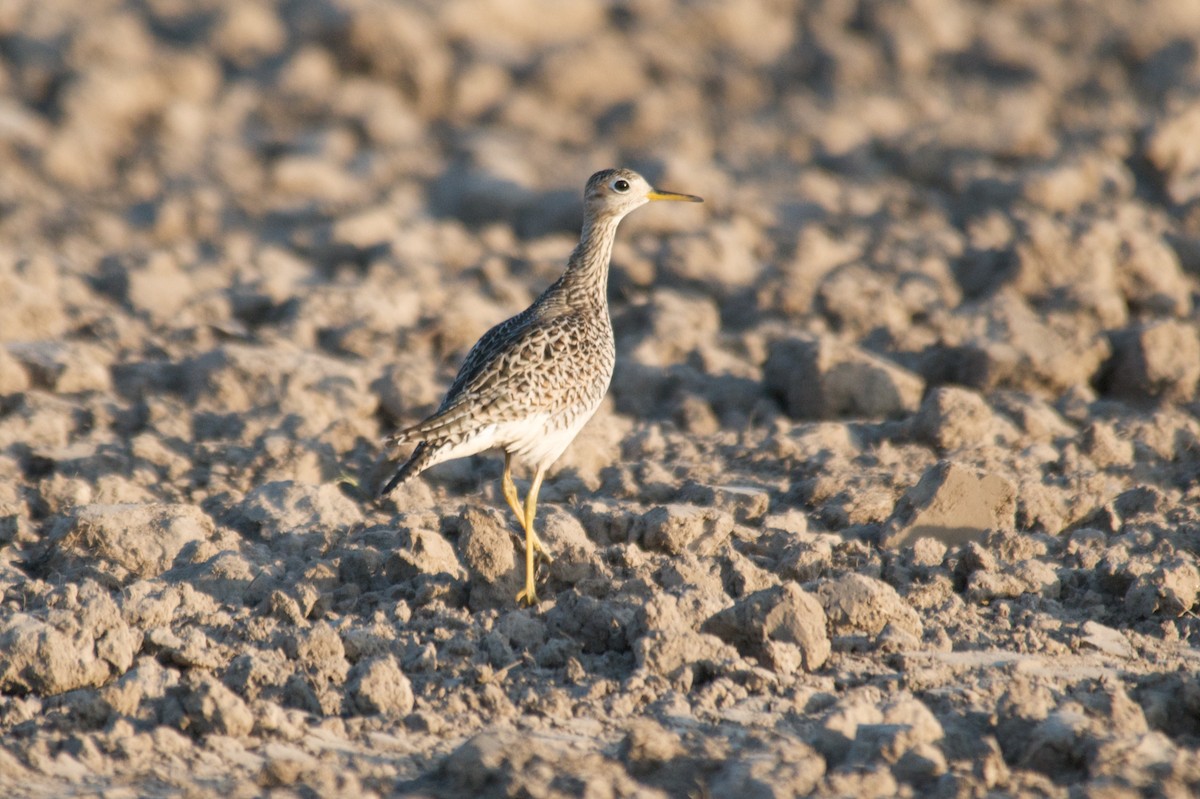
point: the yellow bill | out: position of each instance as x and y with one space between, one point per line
672 195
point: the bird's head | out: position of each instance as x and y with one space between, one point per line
616 192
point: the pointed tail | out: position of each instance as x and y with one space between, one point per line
416 463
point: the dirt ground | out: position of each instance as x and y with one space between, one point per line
895 492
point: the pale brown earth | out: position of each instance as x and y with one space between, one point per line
894 493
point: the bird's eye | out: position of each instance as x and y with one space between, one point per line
621 185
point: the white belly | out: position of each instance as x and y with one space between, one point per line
538 446
535 440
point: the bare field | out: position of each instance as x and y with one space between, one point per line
895 492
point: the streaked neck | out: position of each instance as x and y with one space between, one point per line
586 278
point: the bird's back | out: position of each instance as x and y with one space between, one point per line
552 362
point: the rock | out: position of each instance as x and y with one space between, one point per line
135 693
684 652
489 556
482 759
139 540
367 231
1149 273
818 378
425 552
378 686
287 513
31 288
1006 343
782 615
1024 577
1065 186
1158 360
598 625
14 377
246 34
861 605
478 194
1173 147
573 552
80 641
159 287
63 367
905 736
316 391
667 642
1101 443
1034 417
648 746
952 504
286 764
747 504
1171 589
953 418
838 728
675 529
804 560
206 707
790 768
1107 640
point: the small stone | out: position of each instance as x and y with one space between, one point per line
952 504
684 528
83 642
142 540
1171 589
489 556
857 604
790 768
1158 360
1173 147
747 504
486 546
378 686
906 725
1024 577
952 418
287 508
426 552
648 745
784 614
817 378
671 325
1106 639
1102 444
209 707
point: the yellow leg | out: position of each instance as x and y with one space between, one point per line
529 595
510 490
510 495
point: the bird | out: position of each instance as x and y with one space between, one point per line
531 383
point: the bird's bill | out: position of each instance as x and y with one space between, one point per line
672 195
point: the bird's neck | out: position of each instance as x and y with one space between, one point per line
586 278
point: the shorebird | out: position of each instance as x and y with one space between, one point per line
531 383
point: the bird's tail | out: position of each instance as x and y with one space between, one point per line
416 463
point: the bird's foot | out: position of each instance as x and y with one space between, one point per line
528 596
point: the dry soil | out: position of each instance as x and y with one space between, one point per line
894 493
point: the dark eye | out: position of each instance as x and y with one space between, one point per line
621 185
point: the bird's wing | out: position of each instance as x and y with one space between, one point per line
503 375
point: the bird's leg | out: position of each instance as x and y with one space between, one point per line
510 490
510 495
529 595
